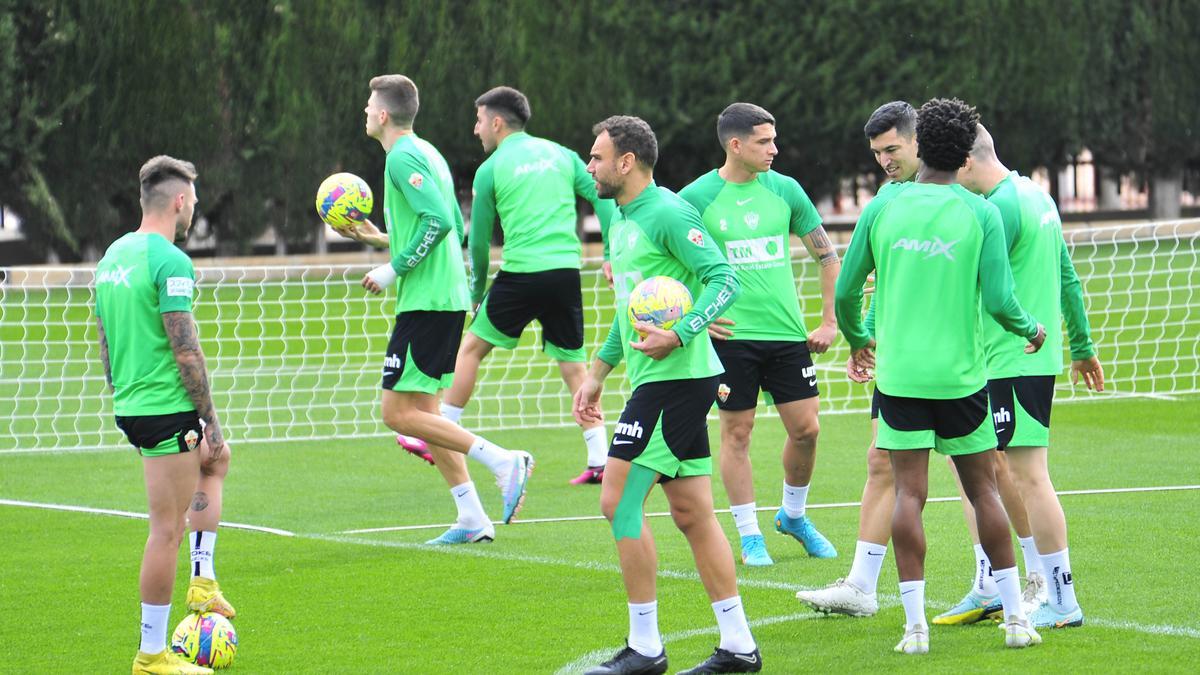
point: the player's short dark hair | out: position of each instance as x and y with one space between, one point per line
162 169
739 119
898 115
631 134
946 129
508 103
398 96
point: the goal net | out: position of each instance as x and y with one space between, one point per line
295 352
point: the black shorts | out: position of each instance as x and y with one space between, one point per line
956 426
875 404
1021 410
664 427
431 340
783 369
155 435
552 297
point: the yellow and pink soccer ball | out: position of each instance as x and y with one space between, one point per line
206 640
344 200
661 301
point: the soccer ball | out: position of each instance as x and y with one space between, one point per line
205 639
344 200
661 301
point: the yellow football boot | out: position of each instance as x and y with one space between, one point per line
166 663
204 595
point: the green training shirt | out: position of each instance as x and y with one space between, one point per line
531 184
659 234
141 277
750 223
420 210
1044 280
935 249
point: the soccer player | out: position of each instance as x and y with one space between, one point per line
891 132
1020 385
156 371
662 434
531 184
920 236
749 211
426 268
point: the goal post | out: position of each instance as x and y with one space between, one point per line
295 352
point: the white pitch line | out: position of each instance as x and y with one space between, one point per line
132 514
832 505
480 551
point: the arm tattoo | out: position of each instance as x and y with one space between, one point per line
104 353
820 247
199 501
181 331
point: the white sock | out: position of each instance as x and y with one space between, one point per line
868 561
202 545
1008 584
735 632
985 584
451 412
745 518
794 499
643 629
154 627
597 446
491 455
471 515
1033 561
912 594
1061 585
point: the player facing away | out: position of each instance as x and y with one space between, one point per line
157 374
662 434
426 269
750 212
1020 385
530 183
937 250
891 133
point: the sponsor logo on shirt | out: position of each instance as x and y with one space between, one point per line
757 250
179 287
119 276
416 180
696 237
540 166
930 247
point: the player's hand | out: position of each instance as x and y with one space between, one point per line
1091 372
658 343
587 402
870 287
717 330
820 339
855 373
1035 342
213 446
379 278
864 357
608 275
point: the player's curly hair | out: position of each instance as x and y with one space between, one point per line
946 130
